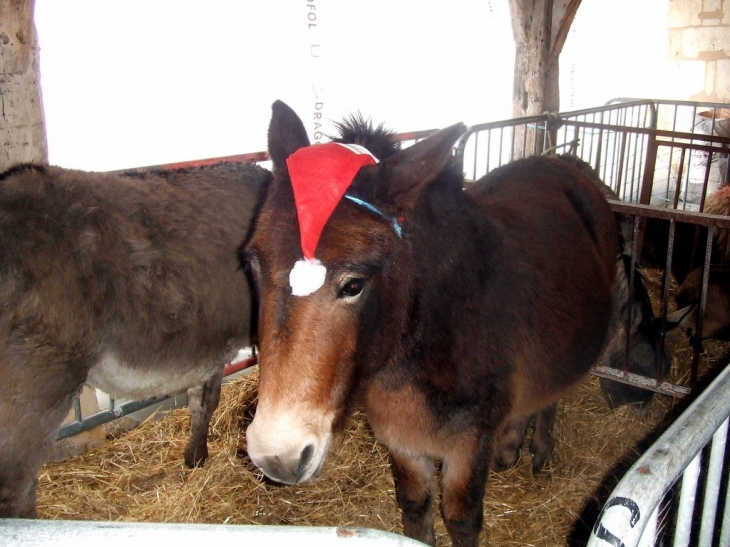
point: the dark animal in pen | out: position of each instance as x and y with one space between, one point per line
132 284
687 262
632 319
451 315
690 240
716 319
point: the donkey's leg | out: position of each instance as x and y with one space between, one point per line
28 429
202 401
542 443
510 442
414 489
21 457
464 476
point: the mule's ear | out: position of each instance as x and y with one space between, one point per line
412 169
286 134
681 318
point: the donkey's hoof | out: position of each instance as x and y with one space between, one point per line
195 457
540 463
506 459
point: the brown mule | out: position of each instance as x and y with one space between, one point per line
447 313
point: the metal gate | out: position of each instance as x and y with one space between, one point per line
667 154
650 507
662 158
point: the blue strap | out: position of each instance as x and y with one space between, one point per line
393 221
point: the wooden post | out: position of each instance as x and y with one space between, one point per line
540 28
22 127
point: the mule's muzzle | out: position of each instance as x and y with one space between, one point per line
287 470
287 446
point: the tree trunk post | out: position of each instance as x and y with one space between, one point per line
540 28
22 126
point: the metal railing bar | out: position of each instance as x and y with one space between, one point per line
712 485
690 217
652 475
102 417
725 526
687 499
663 388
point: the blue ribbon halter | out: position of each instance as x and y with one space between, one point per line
370 207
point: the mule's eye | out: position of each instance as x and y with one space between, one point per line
353 287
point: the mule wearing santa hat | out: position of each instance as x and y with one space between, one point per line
320 176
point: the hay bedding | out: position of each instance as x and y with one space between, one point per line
140 476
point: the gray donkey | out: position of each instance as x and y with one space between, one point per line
131 284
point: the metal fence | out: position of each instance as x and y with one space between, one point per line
651 152
652 506
40 533
118 409
668 154
662 158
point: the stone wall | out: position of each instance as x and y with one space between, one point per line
699 46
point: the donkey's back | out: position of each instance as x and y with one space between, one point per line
129 283
553 270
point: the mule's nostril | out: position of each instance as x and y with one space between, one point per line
304 460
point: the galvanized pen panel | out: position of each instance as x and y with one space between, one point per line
40 533
658 153
647 151
650 506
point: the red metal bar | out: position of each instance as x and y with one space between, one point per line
232 368
255 157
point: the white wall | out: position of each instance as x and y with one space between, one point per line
617 48
139 82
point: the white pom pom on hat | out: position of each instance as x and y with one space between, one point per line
306 276
320 176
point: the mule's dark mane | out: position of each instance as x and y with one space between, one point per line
172 176
21 168
355 129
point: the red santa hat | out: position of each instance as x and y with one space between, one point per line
320 176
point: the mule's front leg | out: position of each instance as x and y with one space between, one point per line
414 489
202 402
510 443
543 443
463 477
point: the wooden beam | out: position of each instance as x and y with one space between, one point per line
563 14
16 35
22 126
